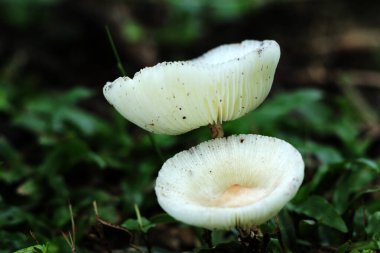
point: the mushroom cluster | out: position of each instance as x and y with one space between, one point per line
239 181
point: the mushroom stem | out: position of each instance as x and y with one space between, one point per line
216 130
249 238
207 237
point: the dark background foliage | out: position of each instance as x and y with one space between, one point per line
62 145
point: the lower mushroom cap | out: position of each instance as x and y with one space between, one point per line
239 181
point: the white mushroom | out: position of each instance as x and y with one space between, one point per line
239 181
176 97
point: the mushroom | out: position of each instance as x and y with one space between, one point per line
176 97
239 181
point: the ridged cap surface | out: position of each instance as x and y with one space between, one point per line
239 181
176 97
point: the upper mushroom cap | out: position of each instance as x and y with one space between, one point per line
176 97
239 181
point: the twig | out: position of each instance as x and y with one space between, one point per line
364 78
138 216
364 109
155 146
99 228
70 236
72 227
95 208
350 40
68 239
347 81
319 75
116 54
33 236
144 235
135 247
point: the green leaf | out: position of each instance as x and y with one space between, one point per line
369 164
4 98
12 216
84 121
328 236
319 209
325 154
31 121
34 249
220 236
317 180
76 94
27 188
307 228
344 247
162 218
359 223
360 195
133 31
359 247
275 111
373 227
12 166
97 159
57 113
275 246
287 230
12 240
133 224
346 130
347 185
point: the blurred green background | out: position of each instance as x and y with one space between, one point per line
62 144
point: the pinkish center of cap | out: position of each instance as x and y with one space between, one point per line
237 196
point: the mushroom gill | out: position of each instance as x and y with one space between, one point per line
176 97
241 180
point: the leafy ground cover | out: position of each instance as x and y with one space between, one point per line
76 176
69 156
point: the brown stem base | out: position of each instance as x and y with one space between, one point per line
216 130
253 240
